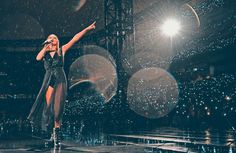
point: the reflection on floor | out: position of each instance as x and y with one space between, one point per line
160 140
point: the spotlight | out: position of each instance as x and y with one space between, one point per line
170 27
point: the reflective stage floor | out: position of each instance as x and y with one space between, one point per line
159 140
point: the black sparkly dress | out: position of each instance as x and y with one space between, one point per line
41 115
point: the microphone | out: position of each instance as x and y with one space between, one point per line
47 41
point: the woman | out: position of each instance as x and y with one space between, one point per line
49 104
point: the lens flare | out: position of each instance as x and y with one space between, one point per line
170 27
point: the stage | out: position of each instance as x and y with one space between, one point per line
162 140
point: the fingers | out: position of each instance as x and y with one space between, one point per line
94 24
47 47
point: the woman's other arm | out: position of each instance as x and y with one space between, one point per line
77 37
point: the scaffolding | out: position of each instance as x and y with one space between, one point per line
119 28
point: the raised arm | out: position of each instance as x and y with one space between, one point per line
77 37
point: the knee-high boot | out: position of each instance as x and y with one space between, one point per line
57 137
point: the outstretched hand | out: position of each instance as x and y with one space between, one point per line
92 26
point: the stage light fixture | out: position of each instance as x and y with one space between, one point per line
170 27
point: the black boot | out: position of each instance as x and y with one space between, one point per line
57 137
50 142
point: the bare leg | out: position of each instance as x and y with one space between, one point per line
57 124
58 110
58 105
49 94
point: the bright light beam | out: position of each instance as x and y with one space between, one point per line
170 27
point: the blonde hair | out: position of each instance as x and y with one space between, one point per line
58 42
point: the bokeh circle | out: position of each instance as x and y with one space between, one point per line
95 69
152 93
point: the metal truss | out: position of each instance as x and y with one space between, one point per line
119 30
